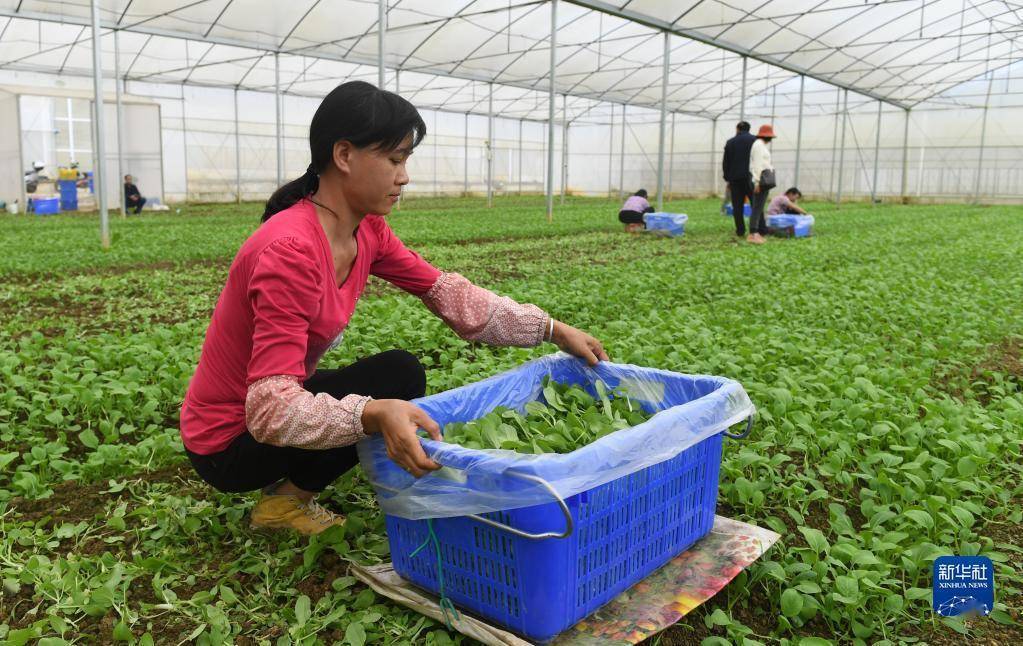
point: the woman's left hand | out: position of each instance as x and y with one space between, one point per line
578 343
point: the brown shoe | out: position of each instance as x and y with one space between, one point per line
289 512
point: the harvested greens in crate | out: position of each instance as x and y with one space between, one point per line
568 418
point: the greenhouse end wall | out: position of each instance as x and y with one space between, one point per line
207 155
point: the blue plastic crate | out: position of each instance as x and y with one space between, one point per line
632 500
46 206
672 223
623 531
798 226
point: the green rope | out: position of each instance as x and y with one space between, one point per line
445 604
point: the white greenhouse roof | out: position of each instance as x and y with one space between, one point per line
901 52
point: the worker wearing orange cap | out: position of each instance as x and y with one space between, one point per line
762 172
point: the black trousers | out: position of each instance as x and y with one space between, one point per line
633 217
757 221
740 191
137 205
247 465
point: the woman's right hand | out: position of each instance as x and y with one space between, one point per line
398 420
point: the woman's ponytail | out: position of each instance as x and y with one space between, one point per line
289 194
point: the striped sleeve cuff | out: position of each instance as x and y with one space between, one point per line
477 314
279 411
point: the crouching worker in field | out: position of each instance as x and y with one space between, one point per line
132 197
258 413
632 211
785 204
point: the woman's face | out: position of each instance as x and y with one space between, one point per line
376 177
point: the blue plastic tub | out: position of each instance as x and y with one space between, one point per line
46 206
746 210
797 226
68 194
619 530
673 223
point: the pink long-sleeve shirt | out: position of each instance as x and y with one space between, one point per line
636 203
281 310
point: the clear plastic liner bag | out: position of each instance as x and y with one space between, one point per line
672 223
688 409
789 220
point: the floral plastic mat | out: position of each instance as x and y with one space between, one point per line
642 611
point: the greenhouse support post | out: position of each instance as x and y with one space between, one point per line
662 132
465 155
490 145
184 138
237 153
671 155
621 158
905 156
611 153
550 112
99 175
799 126
713 161
983 136
159 112
21 185
742 92
120 118
520 156
877 153
564 146
278 118
381 44
543 164
834 143
564 161
435 185
841 150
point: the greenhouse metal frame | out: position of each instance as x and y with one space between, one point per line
695 59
